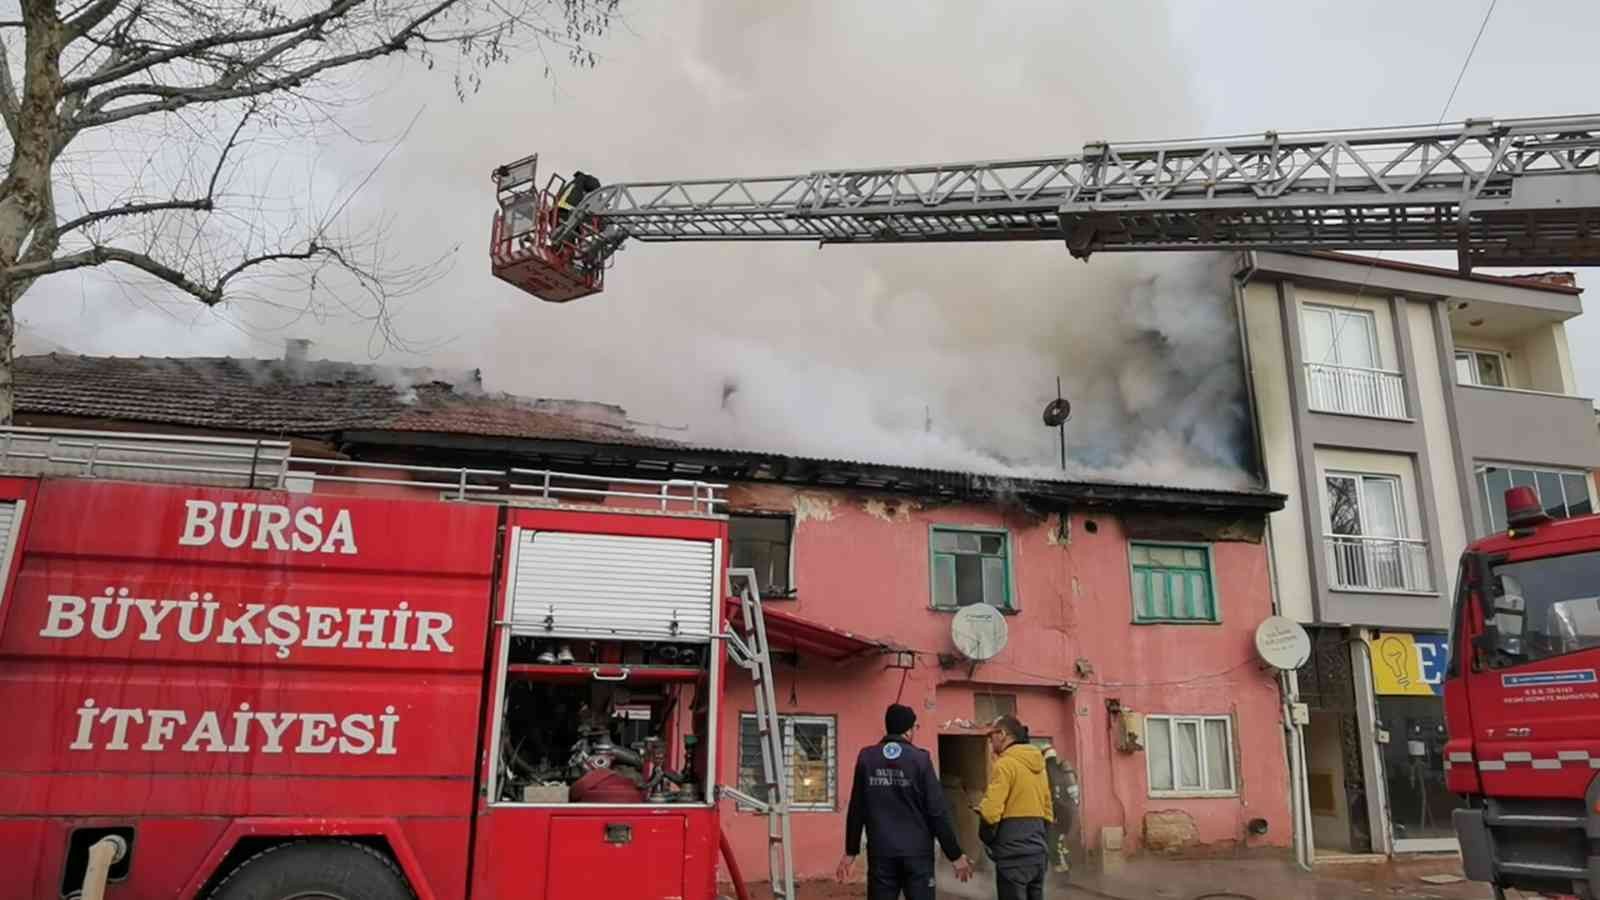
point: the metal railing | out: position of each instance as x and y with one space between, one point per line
1356 391
271 465
1377 564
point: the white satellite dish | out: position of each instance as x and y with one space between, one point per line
1282 643
979 631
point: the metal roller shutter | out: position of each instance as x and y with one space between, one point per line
602 586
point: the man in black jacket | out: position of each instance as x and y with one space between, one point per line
896 797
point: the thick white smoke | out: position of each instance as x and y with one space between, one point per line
939 356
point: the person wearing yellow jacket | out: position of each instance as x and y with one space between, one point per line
1015 813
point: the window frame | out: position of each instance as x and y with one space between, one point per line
1333 312
1013 604
1401 509
1474 352
1211 583
1199 720
1481 473
786 722
789 521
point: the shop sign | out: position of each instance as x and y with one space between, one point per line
1408 664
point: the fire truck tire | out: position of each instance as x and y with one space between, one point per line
325 870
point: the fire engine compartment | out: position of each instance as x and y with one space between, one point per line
603 723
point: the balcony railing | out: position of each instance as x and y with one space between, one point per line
1356 392
1378 564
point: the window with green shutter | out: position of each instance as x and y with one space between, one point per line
1172 583
970 566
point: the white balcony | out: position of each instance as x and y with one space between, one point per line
1378 564
1353 391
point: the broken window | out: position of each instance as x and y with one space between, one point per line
763 543
810 757
971 566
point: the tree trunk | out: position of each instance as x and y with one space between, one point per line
8 335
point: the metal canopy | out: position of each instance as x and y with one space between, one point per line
1499 192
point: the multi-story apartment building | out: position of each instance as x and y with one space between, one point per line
1394 404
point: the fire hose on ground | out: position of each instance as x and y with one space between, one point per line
103 854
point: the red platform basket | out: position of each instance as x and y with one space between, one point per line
521 251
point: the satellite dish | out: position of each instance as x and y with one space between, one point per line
1057 412
979 631
1282 643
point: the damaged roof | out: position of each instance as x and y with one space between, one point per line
449 414
303 398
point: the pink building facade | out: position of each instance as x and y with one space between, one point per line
1213 763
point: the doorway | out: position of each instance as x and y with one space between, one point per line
964 773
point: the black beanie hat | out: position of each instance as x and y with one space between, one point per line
898 719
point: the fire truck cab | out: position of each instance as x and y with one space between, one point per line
1522 703
228 672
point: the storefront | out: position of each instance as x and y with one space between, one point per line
1408 738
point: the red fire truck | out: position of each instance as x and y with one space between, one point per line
229 672
1521 695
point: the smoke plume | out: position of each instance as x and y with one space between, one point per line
940 356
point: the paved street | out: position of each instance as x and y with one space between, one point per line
1221 879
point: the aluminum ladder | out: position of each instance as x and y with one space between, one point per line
751 653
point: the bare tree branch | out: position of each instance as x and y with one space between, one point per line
94 14
199 204
307 25
230 87
210 294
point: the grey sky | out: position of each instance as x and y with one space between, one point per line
867 341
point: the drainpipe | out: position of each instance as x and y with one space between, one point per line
105 853
1288 681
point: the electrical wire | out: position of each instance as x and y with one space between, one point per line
1466 62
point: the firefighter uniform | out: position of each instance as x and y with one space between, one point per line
897 799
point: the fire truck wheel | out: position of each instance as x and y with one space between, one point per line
315 870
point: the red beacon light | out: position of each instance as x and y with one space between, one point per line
1523 511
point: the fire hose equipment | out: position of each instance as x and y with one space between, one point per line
103 854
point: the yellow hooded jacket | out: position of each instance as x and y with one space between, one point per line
1018 787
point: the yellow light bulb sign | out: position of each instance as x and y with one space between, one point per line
1408 664
1397 657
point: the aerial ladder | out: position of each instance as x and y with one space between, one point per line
1499 192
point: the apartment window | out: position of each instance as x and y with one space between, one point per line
1172 583
1563 494
1189 756
810 747
1340 337
988 707
1366 539
1343 373
1480 367
763 543
971 566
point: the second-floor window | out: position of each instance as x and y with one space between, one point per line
762 543
1344 372
1485 368
970 566
1172 583
1562 494
1368 548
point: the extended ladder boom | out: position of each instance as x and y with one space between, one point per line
1499 192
